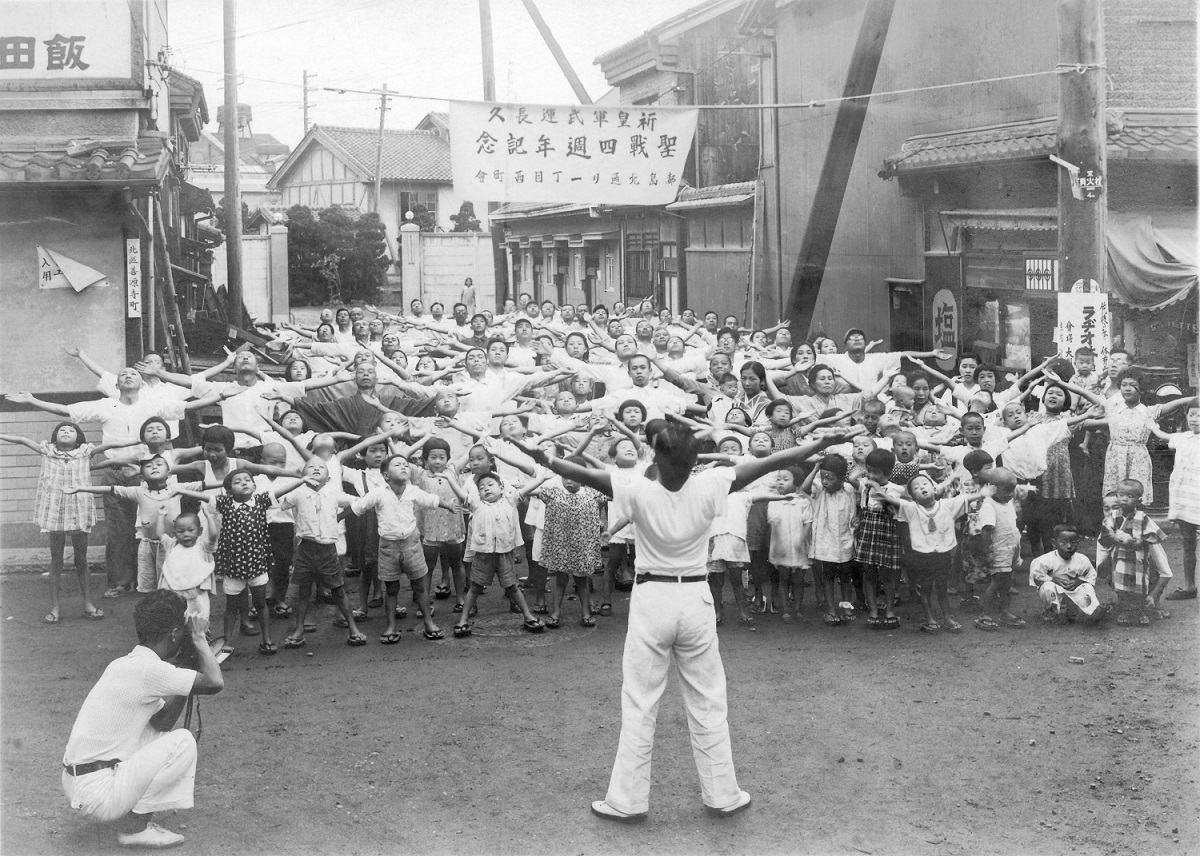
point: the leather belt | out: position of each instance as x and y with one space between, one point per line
90 767
663 578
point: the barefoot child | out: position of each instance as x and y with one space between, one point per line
189 568
400 550
1001 542
60 512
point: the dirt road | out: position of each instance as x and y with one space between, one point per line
851 741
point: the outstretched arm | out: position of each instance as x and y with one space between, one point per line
595 479
748 471
88 363
21 441
32 401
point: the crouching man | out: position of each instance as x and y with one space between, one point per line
123 761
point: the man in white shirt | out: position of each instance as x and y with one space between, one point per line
671 615
152 389
123 761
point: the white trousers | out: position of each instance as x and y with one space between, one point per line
672 623
1082 596
158 777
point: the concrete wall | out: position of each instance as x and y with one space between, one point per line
448 258
38 324
879 232
264 274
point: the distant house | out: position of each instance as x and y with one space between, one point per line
336 166
259 156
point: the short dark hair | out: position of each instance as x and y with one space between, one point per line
632 402
834 464
80 439
218 434
490 474
732 332
775 405
976 459
674 443
497 339
435 444
971 414
882 460
1065 527
228 480
157 614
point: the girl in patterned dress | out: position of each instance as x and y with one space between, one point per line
571 541
1185 497
65 462
876 541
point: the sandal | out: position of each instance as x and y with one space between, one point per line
309 627
891 621
281 610
360 615
268 648
292 643
951 625
1143 620
51 618
227 650
354 640
401 611
389 638
533 625
118 591
873 622
588 622
1162 613
930 627
249 630
831 620
93 613
552 623
434 635
462 630
605 610
983 622
441 592
458 608
1182 594
1123 619
1012 621
539 609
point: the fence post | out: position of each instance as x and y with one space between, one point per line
410 263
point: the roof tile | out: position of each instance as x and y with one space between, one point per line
408 155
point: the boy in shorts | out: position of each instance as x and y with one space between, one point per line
400 550
316 515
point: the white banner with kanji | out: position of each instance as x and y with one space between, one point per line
609 155
1084 322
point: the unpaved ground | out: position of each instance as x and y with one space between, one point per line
851 741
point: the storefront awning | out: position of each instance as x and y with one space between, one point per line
82 164
1152 258
691 198
1003 219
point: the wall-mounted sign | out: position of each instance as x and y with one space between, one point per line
51 40
133 278
57 271
945 326
1084 322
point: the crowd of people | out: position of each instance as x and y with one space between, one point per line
416 446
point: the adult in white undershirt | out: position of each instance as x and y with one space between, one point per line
152 388
671 615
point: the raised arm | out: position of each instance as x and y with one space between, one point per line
1164 409
596 479
748 471
29 398
88 363
20 441
304 453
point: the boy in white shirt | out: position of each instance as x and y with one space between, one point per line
1065 579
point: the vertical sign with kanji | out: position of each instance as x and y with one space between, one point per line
133 278
945 323
1084 322
615 154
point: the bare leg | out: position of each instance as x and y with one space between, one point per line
58 545
79 547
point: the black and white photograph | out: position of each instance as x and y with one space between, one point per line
556 427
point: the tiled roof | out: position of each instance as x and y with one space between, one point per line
86 162
407 155
714 196
1132 135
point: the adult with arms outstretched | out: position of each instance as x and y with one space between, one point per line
671 615
123 761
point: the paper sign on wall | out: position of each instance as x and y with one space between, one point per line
616 155
1084 322
57 271
133 278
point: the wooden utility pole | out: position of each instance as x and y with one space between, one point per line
233 192
1083 174
485 41
383 108
307 78
559 56
839 160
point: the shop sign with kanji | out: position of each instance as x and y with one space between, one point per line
612 154
60 40
1084 322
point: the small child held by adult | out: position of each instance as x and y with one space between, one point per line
1066 580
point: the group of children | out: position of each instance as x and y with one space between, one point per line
932 493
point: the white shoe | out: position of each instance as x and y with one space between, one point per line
743 802
152 836
600 808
